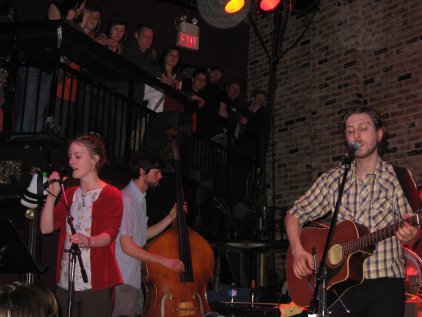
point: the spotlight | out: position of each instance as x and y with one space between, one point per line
215 13
268 5
194 21
233 6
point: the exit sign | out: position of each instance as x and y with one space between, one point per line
188 36
187 40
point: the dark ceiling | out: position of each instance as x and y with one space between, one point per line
191 4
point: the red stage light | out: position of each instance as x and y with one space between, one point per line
268 5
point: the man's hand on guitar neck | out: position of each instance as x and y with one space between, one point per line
407 234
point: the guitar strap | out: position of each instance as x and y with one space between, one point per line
412 196
408 187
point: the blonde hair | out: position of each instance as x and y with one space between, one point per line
94 143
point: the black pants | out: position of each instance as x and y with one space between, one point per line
383 297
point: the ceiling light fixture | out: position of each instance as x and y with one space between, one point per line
268 5
234 6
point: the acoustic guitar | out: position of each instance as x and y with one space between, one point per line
352 243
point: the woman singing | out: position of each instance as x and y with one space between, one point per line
96 209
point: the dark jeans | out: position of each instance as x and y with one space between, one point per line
383 297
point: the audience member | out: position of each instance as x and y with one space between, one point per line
96 210
194 88
215 75
92 15
213 90
33 85
68 10
248 142
170 67
27 300
114 126
209 124
138 50
67 86
114 36
89 111
229 118
172 76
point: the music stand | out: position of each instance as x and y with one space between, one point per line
14 255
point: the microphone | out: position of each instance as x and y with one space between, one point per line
36 192
51 181
65 172
353 148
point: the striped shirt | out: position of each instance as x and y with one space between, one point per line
376 202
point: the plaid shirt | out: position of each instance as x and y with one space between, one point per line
376 202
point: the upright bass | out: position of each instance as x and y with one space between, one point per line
170 294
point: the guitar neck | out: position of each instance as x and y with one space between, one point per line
377 236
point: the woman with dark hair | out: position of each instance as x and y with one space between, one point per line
116 33
171 75
96 208
170 67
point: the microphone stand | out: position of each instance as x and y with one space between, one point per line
74 253
321 274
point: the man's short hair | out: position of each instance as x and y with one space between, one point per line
234 82
258 92
142 26
200 71
147 160
376 120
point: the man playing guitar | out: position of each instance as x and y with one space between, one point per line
372 197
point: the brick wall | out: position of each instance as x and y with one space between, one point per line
355 52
